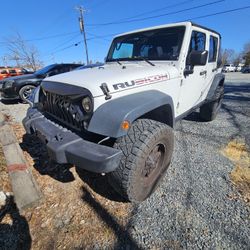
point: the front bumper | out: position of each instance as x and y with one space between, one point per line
65 146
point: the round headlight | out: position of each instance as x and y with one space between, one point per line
87 104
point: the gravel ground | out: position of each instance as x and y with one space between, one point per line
192 209
15 109
197 206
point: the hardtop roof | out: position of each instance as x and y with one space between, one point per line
169 25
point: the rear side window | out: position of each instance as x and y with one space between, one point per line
4 72
213 48
198 41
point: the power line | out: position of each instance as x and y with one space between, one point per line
100 37
159 9
157 16
193 18
50 37
66 42
68 47
58 19
219 13
56 50
45 38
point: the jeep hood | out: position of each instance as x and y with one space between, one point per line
115 75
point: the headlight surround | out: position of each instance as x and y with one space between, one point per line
8 84
33 98
87 104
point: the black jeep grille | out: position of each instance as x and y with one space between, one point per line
65 110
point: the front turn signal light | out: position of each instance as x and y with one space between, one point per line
125 125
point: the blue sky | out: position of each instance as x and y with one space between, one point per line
38 21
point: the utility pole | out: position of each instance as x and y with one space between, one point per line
82 30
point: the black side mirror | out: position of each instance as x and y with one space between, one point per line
197 58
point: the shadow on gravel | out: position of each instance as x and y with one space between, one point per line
124 239
99 184
237 92
42 163
15 235
193 117
10 102
61 172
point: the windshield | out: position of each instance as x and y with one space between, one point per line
159 44
45 70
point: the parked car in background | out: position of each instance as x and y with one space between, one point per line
20 87
246 69
4 73
22 71
238 68
229 68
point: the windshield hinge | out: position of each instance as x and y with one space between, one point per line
105 90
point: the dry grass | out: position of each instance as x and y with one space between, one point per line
72 214
4 178
239 154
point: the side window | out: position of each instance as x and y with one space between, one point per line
213 47
198 41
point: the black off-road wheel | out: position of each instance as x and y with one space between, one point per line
147 152
25 92
209 111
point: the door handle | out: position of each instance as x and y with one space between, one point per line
215 69
204 72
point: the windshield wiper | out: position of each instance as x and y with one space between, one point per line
118 62
146 60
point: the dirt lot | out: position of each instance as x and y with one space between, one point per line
202 203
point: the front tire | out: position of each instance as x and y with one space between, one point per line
25 92
147 152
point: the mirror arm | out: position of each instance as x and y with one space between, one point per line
188 70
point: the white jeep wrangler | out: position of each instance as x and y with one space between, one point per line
119 118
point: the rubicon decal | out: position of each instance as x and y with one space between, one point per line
141 81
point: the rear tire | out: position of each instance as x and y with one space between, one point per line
209 111
147 151
25 92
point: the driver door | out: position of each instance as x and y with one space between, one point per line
192 84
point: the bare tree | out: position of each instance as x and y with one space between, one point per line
23 53
246 53
237 59
228 56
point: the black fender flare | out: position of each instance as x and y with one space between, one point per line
218 79
108 117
